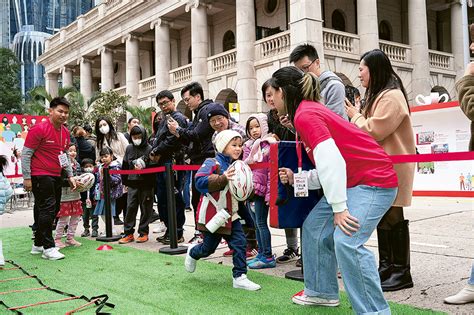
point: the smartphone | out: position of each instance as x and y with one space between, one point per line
168 117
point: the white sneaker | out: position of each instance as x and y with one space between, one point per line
2 260
161 228
466 295
189 262
36 250
302 299
52 254
243 282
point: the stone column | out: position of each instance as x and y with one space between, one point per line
246 77
162 54
457 42
418 39
306 25
67 76
368 25
199 42
132 66
51 83
85 65
106 68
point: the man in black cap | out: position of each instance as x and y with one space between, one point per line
219 120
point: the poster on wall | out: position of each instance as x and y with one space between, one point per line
13 131
439 131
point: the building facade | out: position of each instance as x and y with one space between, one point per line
28 24
231 47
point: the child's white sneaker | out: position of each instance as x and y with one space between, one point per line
2 260
52 254
36 250
466 295
243 282
189 262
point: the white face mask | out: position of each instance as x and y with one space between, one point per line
104 129
88 169
137 142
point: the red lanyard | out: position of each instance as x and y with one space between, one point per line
299 154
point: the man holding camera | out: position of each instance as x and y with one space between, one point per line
167 149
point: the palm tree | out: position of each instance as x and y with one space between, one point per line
40 92
143 114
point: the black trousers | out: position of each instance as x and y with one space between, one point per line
136 197
47 193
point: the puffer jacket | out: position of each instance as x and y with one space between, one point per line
116 187
6 191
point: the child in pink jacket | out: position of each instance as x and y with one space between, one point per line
257 149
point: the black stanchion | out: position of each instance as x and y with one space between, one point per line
298 273
173 249
108 211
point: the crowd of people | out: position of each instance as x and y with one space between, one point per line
348 141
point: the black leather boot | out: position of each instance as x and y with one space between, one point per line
385 254
400 277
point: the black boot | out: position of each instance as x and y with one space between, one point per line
385 254
400 241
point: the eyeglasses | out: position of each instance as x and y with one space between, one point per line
306 68
186 99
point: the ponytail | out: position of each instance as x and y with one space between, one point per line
310 87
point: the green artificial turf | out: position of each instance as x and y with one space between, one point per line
143 282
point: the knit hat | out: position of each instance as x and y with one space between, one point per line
215 109
224 137
262 121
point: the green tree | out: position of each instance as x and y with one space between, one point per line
143 114
109 104
10 93
38 95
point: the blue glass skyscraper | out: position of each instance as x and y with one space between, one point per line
31 22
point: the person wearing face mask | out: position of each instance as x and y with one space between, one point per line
140 187
108 137
132 122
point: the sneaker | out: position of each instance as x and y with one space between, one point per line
167 240
35 250
73 242
52 254
259 255
263 263
197 239
189 262
142 238
243 282
299 263
86 233
94 233
251 253
2 261
161 228
466 295
302 299
162 237
289 254
126 239
117 221
228 253
59 244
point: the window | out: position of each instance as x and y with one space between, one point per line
270 7
385 31
228 42
338 21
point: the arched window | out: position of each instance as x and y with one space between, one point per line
385 31
228 42
270 7
338 21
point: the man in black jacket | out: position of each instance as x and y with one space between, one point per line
167 149
197 137
140 186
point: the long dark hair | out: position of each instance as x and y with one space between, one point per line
112 135
296 86
382 78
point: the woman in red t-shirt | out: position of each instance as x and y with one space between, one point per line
359 184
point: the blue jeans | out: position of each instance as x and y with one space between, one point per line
260 217
236 241
325 247
186 188
471 279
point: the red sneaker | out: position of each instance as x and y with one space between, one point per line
229 253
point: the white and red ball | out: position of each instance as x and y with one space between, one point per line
241 185
84 182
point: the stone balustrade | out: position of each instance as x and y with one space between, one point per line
272 45
181 74
121 90
147 85
222 61
441 60
396 52
340 41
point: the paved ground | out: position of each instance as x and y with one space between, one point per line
442 247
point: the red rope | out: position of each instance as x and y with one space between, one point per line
24 290
82 306
42 303
19 278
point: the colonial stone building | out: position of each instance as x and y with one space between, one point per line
232 46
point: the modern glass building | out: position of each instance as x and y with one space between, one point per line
31 22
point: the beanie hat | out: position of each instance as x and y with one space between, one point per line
262 121
215 109
224 137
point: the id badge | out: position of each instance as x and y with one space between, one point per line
63 160
300 185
